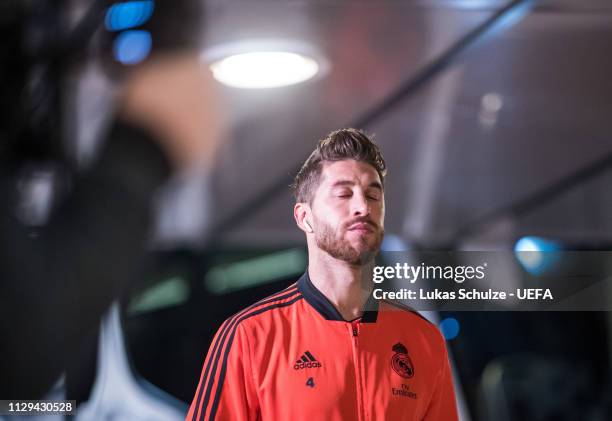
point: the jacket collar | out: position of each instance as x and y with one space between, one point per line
321 304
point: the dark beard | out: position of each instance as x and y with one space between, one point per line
330 241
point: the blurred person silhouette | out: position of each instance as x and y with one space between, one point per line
57 282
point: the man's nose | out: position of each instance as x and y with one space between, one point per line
360 205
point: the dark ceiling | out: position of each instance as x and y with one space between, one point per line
478 106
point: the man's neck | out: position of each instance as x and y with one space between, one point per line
346 286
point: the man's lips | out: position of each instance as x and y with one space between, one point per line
361 226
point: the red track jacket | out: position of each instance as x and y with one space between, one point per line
292 357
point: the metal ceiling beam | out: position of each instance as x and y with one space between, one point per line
534 200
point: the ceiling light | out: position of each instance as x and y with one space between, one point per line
258 65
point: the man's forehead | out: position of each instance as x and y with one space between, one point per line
348 170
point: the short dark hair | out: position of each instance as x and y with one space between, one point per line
336 146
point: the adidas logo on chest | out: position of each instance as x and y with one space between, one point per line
307 360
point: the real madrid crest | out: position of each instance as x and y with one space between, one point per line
401 362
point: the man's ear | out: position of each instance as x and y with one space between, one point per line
302 214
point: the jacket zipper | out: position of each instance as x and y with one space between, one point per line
354 330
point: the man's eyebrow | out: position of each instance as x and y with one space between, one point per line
343 183
373 184
376 185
